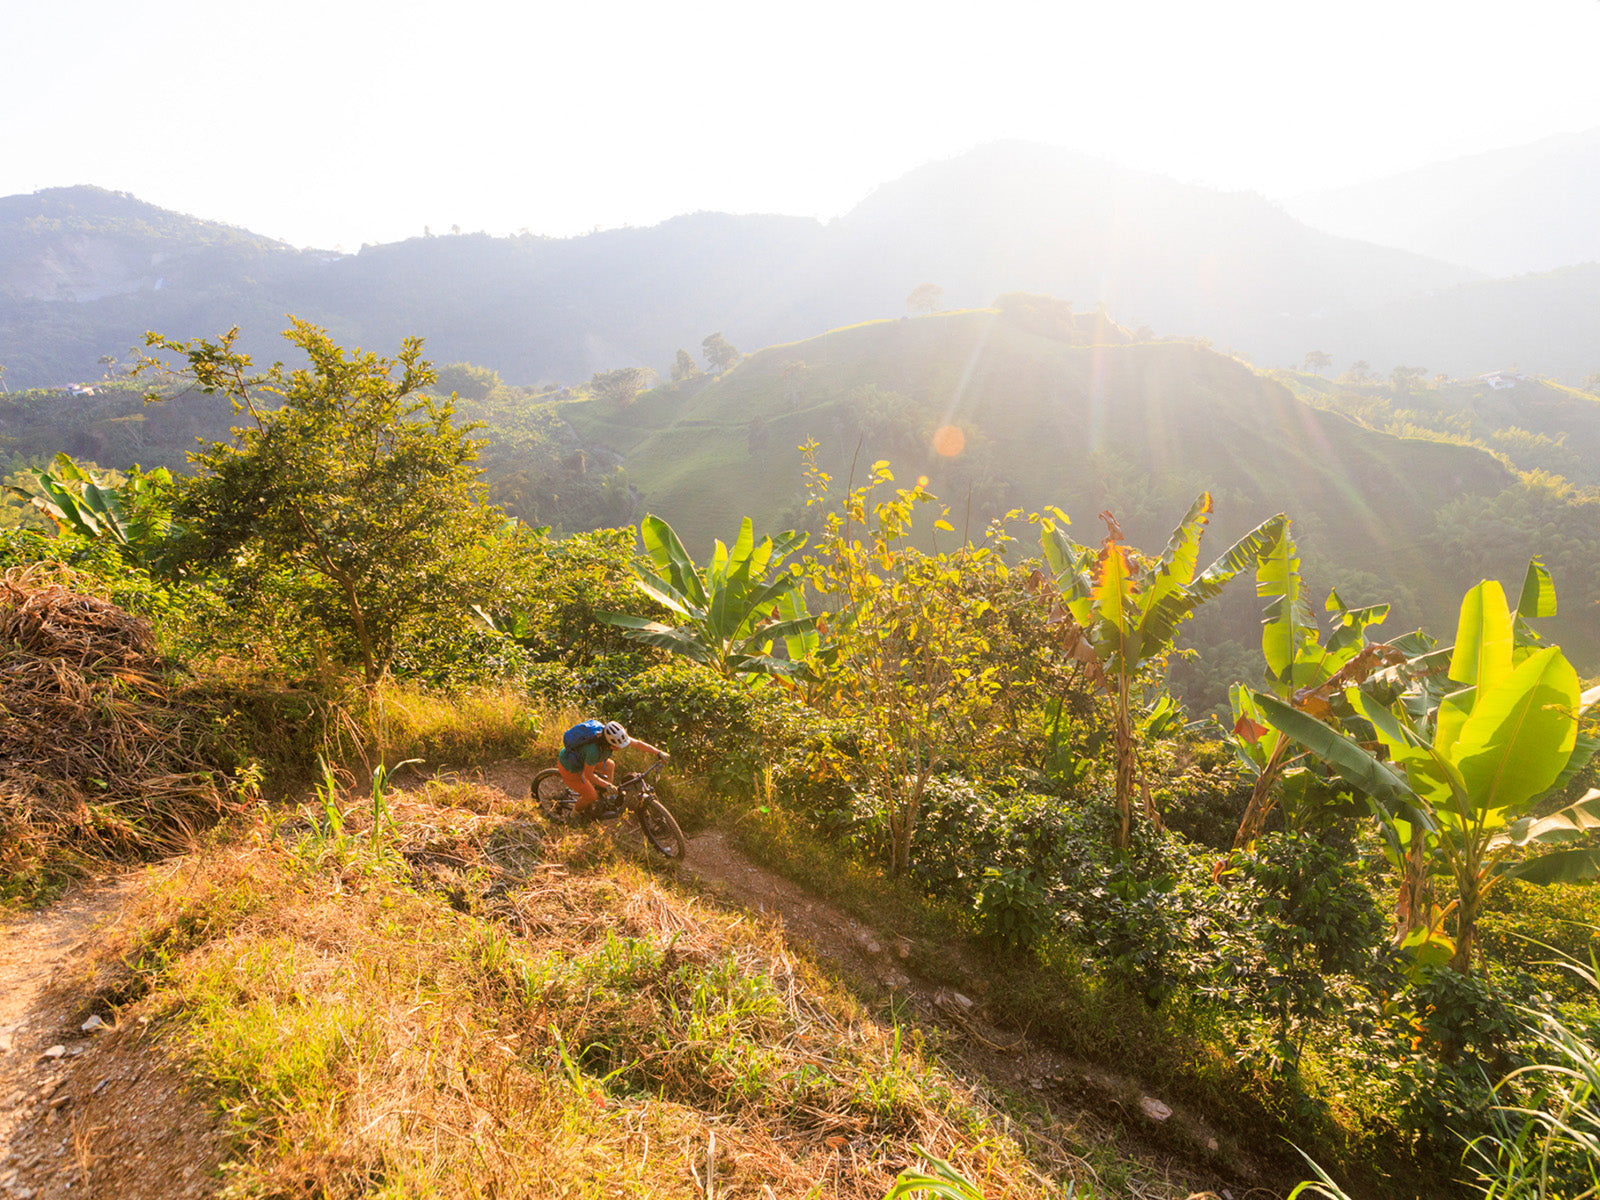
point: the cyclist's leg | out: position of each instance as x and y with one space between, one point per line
584 789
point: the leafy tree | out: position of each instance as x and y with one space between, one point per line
684 367
1472 760
925 298
1360 371
907 655
350 488
1119 613
732 612
719 352
1406 379
1317 361
465 380
622 386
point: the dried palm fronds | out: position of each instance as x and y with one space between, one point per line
97 755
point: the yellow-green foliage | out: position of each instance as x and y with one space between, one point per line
1528 928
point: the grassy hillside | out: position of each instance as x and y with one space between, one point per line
1137 427
1533 424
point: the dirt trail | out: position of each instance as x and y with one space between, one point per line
88 1112
102 1113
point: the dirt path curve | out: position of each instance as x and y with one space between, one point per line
39 1042
87 1112
1092 1100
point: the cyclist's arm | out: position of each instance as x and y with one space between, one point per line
648 748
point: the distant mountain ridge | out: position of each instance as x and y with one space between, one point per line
83 244
1181 259
1508 212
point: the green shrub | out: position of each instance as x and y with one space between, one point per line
461 656
731 731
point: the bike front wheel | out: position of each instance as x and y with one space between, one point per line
550 793
661 830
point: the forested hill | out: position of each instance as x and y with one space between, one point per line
83 273
1064 410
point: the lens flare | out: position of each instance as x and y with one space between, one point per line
949 441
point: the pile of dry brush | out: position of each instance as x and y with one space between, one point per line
98 756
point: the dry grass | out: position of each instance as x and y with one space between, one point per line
98 754
401 721
437 1005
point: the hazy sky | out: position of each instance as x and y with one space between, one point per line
338 122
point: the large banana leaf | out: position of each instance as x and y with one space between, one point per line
1289 631
1160 626
729 615
668 554
1175 569
1353 764
1538 597
665 594
1241 556
1451 718
1559 866
1072 566
803 642
1431 775
1520 734
1578 820
1483 650
680 640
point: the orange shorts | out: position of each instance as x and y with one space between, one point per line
585 789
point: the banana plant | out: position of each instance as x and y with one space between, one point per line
732 612
1117 611
136 516
1470 764
1303 670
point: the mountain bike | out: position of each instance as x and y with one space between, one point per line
634 795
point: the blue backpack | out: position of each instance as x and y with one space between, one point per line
584 732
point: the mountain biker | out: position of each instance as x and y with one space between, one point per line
589 768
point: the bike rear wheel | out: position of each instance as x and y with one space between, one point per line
550 792
661 830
